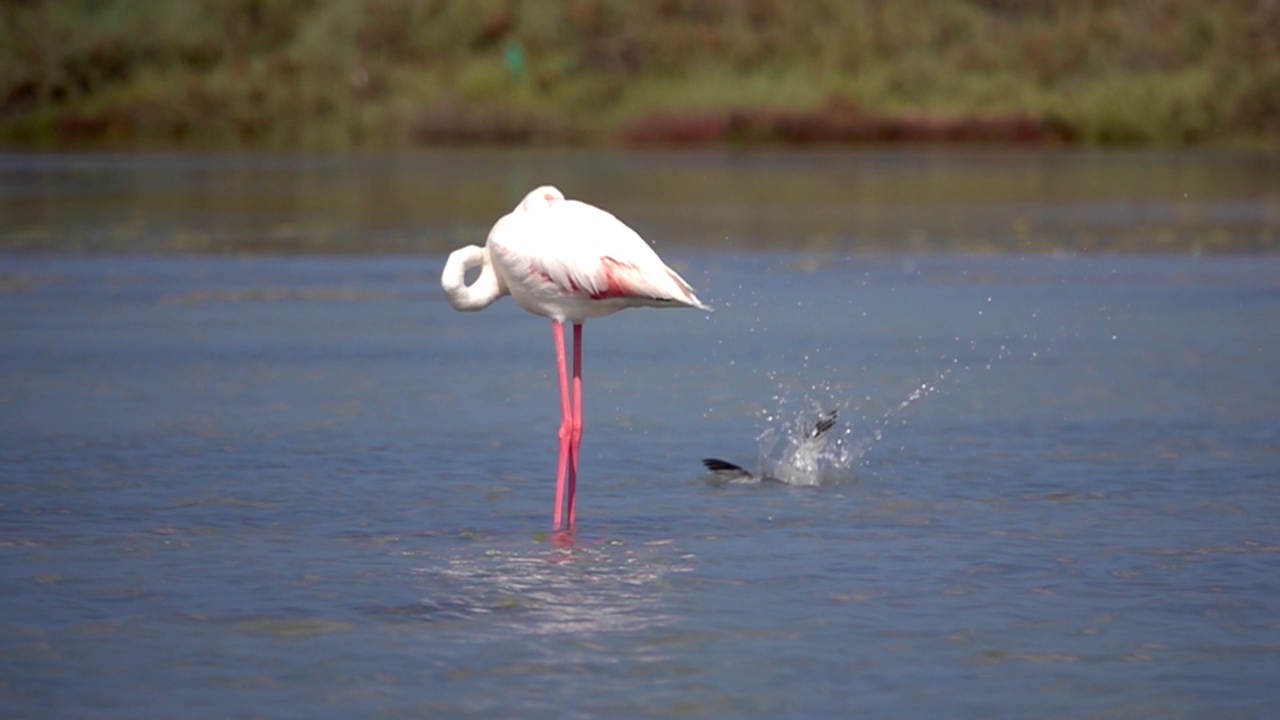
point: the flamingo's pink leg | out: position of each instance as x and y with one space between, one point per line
566 422
575 439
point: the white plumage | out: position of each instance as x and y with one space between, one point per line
567 261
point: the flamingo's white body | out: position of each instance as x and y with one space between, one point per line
567 261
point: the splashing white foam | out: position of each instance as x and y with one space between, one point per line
792 453
807 452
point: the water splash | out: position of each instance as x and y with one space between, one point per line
810 450
858 447
792 453
811 453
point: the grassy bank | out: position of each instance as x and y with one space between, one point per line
387 73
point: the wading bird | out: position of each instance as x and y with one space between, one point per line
567 261
799 465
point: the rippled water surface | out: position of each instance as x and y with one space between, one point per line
281 487
307 488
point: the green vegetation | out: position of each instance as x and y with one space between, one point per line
386 73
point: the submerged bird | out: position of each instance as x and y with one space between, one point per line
567 261
798 466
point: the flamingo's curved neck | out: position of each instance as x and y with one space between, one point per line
478 295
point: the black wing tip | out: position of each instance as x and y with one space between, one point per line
826 421
717 465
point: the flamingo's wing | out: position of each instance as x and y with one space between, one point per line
586 251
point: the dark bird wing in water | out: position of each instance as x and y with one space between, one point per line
726 470
826 421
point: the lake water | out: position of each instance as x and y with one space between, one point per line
238 486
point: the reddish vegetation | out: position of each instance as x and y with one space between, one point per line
451 123
842 123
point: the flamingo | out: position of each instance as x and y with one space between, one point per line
567 261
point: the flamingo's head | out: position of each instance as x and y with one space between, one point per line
542 197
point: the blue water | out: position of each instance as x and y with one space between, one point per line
282 488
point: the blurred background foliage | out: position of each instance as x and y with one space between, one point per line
388 73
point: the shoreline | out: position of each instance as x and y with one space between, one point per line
357 74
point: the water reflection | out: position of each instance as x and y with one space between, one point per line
570 588
819 202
